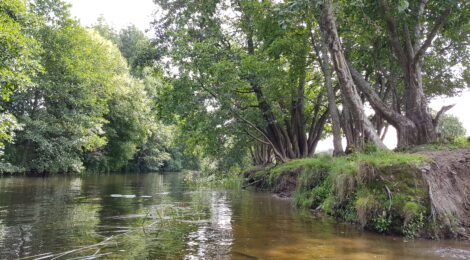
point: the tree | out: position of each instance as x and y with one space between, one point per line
259 82
17 58
324 60
133 44
451 128
158 149
126 124
414 41
62 112
352 101
17 47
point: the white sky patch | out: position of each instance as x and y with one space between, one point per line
461 111
118 13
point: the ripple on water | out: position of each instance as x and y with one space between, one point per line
454 253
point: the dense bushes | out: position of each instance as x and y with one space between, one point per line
70 98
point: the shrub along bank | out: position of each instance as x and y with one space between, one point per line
423 194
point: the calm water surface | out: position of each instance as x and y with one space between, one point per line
157 216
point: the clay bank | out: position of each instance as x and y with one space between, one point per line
421 194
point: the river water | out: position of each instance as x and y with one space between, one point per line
158 216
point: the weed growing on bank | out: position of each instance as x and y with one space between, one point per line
376 189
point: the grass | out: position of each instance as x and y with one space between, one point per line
458 143
213 180
350 163
376 189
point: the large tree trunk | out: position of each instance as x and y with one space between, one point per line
409 51
346 82
406 129
333 109
416 106
352 134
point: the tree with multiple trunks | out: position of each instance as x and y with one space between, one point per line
243 74
410 43
250 67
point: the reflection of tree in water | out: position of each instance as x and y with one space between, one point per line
39 214
214 237
113 208
175 187
60 215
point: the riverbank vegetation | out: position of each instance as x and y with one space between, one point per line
77 99
229 82
383 191
265 81
222 85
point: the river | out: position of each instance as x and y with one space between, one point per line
158 216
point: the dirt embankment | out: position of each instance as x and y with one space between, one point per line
448 180
430 200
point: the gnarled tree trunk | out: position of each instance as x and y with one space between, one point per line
261 154
324 61
409 51
348 89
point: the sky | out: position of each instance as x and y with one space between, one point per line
120 13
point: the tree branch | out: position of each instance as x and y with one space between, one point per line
392 29
244 91
441 113
432 34
375 101
256 138
417 28
409 45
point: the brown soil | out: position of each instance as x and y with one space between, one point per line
287 182
448 180
446 177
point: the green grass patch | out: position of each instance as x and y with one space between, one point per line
458 143
376 188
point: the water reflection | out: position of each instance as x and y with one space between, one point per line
156 216
214 237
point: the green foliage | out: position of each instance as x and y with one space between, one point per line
63 113
366 40
451 128
82 108
212 96
376 188
381 224
8 125
17 47
126 122
153 147
135 47
413 228
17 59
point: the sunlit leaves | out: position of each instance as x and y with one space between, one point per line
403 6
450 127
